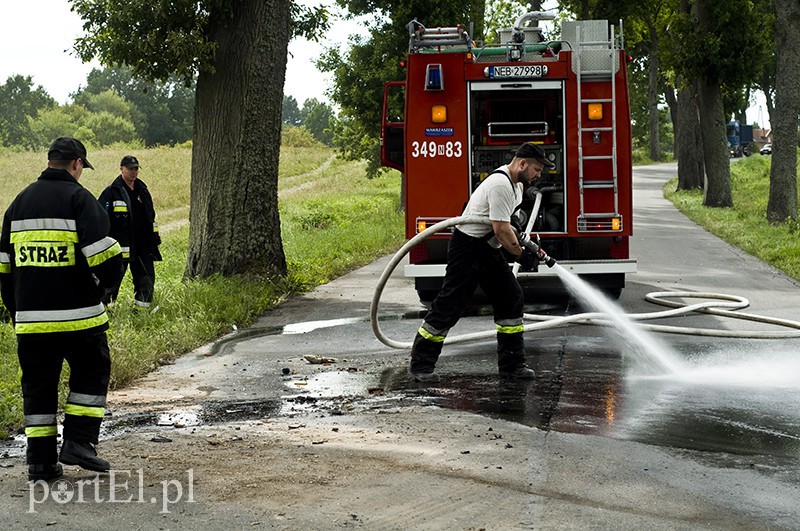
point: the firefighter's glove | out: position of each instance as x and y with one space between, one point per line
528 261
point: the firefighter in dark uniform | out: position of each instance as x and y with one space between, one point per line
133 224
56 260
474 257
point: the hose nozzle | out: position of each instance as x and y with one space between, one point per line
535 247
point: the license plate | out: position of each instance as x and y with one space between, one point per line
516 71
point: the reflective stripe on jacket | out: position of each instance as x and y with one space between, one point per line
56 257
116 199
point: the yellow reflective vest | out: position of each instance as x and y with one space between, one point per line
56 258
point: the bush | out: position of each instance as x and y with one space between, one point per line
641 157
292 136
109 129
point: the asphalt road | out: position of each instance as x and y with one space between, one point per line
597 441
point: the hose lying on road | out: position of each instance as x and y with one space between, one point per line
714 307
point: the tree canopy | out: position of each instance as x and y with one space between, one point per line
161 111
359 74
236 52
162 40
19 100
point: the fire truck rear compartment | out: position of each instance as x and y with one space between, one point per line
504 115
572 100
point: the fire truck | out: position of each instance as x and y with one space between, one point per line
465 110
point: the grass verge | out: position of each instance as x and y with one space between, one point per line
745 224
334 220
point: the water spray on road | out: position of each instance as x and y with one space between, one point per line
645 349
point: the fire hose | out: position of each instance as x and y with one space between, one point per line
723 305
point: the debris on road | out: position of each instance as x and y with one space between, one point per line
318 360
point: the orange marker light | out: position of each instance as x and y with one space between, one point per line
439 114
615 222
595 111
421 226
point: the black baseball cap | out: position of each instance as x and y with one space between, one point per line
129 161
529 150
66 148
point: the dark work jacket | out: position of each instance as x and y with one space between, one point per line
116 199
56 258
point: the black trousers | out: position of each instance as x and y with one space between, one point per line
41 358
471 262
144 276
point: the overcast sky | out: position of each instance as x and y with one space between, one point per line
38 36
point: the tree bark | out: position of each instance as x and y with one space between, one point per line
782 204
717 188
234 221
687 133
652 96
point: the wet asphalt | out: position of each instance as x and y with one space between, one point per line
716 445
734 407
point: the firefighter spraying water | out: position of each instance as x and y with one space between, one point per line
464 109
461 115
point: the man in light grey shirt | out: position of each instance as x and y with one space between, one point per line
474 257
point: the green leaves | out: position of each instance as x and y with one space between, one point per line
161 38
19 100
360 73
156 39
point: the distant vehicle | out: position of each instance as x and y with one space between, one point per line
766 150
740 138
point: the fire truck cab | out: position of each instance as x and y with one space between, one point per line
465 111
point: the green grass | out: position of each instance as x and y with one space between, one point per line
333 219
745 225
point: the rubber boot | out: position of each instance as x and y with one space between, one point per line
44 472
511 357
424 355
82 454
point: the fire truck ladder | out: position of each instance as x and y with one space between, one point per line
602 52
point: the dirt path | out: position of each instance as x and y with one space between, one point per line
180 223
286 192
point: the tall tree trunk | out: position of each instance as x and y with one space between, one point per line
652 96
234 220
584 11
687 132
672 104
715 147
717 188
782 203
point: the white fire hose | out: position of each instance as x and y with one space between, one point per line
721 305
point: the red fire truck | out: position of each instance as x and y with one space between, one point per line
465 110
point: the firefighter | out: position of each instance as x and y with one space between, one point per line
475 257
133 224
56 259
